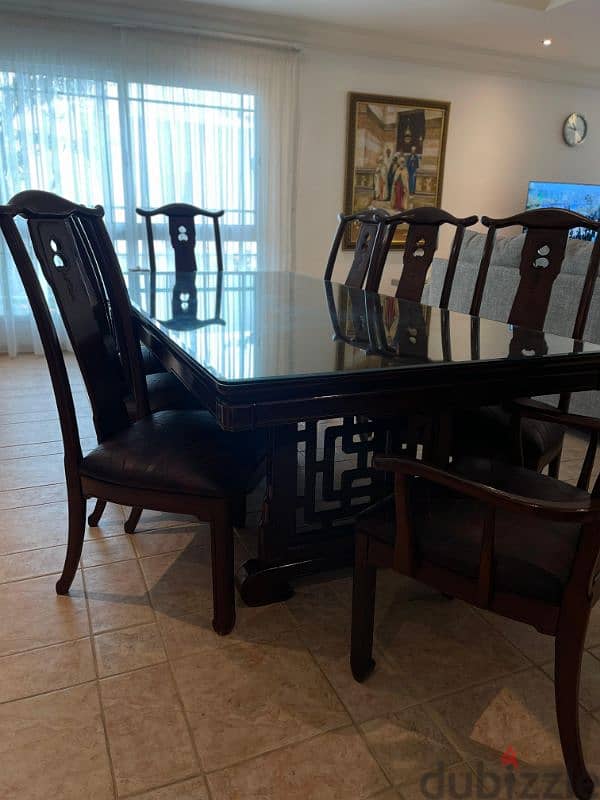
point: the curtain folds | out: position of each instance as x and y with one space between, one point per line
128 118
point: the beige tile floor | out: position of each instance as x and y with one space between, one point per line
123 690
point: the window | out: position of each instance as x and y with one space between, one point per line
135 144
129 117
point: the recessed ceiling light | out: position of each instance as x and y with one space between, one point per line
546 42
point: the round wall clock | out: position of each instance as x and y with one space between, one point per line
574 129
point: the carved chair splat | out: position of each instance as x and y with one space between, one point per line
368 239
421 244
542 259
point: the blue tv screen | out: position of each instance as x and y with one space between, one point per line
584 198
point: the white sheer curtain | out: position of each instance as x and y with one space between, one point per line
131 118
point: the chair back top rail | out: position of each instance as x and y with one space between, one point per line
421 244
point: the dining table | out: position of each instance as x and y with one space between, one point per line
334 374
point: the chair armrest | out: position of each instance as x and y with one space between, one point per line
564 511
536 409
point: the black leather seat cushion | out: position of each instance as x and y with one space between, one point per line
533 557
165 392
487 431
179 451
150 362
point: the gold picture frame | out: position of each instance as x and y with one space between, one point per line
395 153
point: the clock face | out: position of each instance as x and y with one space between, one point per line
575 129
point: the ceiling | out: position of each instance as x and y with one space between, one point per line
508 27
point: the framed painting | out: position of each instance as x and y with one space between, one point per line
394 156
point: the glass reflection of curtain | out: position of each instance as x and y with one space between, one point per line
127 118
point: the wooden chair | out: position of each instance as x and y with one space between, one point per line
369 237
165 391
489 429
523 545
178 461
421 244
182 233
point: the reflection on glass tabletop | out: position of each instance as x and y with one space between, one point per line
249 326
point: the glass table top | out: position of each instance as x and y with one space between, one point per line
254 326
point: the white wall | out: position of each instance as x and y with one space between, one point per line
502 133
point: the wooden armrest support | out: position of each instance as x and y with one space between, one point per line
536 409
547 509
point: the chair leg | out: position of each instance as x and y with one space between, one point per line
132 520
222 570
94 517
238 510
363 612
77 510
568 653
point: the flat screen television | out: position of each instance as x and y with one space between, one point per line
584 198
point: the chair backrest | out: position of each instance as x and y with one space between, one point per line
421 244
368 239
542 257
182 232
78 262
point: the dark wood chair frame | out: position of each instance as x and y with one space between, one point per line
369 238
101 259
58 231
542 257
419 250
567 621
182 232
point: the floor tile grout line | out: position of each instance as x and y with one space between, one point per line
176 685
356 725
500 633
177 782
32 505
132 670
279 748
43 647
99 693
206 772
55 690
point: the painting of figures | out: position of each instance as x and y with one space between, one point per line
395 156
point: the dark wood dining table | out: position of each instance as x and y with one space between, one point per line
335 374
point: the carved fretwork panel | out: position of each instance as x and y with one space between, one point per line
182 231
419 250
365 243
335 476
541 261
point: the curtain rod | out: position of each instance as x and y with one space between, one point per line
279 44
77 13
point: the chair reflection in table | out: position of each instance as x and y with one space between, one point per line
381 326
184 304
